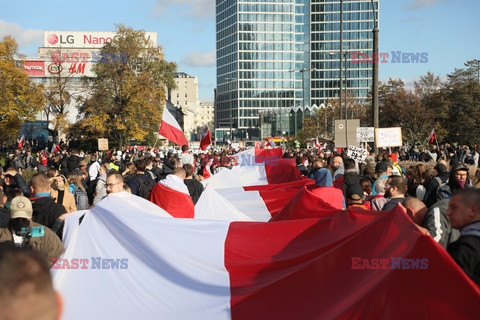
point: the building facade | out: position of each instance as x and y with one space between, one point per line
282 57
185 98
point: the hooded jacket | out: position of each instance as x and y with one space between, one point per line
46 211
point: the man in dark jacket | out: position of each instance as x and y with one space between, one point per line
458 179
45 210
350 176
464 214
434 220
395 189
195 188
142 183
432 186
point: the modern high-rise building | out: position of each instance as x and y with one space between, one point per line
281 57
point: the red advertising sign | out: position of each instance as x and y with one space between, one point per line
34 68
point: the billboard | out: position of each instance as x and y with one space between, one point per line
343 128
85 39
34 68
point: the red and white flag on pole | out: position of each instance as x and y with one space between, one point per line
317 144
21 142
171 130
206 138
432 137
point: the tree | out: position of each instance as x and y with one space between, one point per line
59 92
128 92
402 108
20 98
461 98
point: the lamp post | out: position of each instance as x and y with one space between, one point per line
302 71
346 102
229 81
375 76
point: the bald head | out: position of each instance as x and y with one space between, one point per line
416 209
180 172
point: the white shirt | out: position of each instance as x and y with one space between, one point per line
93 170
186 158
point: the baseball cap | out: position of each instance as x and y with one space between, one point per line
21 207
354 192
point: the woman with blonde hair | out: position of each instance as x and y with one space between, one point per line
78 190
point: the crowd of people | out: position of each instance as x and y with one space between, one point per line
439 194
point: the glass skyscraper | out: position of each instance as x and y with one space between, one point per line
275 55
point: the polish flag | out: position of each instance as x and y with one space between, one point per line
21 142
318 268
206 139
317 143
432 137
171 130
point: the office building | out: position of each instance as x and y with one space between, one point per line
277 59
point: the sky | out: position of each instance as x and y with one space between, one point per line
447 30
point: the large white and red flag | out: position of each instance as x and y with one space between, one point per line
170 129
143 264
206 138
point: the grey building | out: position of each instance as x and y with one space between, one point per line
281 57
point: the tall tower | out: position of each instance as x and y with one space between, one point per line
283 55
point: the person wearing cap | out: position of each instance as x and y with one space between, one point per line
395 189
464 214
49 245
355 197
458 179
383 169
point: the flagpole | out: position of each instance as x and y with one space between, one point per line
158 135
438 147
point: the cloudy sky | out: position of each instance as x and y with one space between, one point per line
448 30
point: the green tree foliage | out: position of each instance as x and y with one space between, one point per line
128 92
20 98
403 108
461 99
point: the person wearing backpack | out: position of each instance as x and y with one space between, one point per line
435 183
78 190
142 183
100 184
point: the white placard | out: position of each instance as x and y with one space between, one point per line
365 134
357 154
389 137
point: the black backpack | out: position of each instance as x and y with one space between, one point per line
146 186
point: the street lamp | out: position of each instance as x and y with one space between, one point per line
302 71
229 81
375 76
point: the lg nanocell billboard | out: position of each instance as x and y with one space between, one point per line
85 39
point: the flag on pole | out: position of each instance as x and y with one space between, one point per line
21 142
170 129
317 144
432 137
206 138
